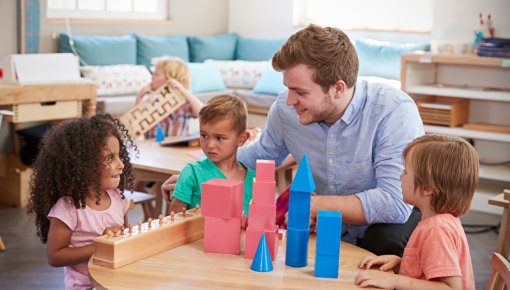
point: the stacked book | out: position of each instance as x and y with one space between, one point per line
494 47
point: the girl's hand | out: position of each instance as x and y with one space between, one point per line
374 278
112 228
387 262
174 84
144 91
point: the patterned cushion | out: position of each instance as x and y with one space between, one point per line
117 79
240 73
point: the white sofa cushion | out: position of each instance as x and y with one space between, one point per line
240 73
117 79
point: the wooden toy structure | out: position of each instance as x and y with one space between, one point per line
119 248
146 115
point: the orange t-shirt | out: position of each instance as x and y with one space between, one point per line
438 248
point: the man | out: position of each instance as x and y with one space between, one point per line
353 133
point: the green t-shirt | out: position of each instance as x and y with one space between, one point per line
189 186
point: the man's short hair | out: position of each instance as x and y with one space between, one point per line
327 50
446 166
222 107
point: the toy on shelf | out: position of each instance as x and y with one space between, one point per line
329 229
145 115
262 217
298 230
124 246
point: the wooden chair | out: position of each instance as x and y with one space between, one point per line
503 200
500 277
144 199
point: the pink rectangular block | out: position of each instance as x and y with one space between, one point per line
253 238
265 170
263 192
262 216
222 235
222 198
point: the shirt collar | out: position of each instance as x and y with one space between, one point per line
354 107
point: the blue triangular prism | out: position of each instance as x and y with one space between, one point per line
159 134
303 181
262 260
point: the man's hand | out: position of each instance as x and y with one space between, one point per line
386 262
168 187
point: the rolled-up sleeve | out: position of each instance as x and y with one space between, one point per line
385 204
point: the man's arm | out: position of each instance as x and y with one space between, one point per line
270 145
349 205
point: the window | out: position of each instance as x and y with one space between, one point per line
383 15
108 9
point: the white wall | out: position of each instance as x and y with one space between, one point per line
197 17
453 20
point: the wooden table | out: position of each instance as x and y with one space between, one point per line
157 163
503 200
188 267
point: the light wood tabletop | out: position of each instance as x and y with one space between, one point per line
188 267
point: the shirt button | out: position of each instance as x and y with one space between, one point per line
332 187
332 135
330 161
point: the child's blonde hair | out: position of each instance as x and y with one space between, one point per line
222 107
177 69
447 167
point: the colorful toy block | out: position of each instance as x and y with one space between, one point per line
326 266
262 261
263 192
253 237
222 235
329 229
299 210
262 216
303 181
265 170
296 254
222 198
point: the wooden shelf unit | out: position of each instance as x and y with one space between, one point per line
485 83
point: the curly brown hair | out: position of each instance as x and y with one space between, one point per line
70 161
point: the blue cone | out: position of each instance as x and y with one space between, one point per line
159 134
262 260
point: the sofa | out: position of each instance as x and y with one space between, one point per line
121 65
226 63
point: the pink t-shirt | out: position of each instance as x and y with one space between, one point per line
87 224
438 248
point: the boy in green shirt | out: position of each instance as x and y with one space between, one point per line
222 131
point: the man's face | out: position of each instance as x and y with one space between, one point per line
312 104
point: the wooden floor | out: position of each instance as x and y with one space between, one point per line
24 266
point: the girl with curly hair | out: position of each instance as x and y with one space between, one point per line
77 190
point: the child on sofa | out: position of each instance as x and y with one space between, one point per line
222 131
177 75
440 177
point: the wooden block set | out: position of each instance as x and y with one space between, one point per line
262 217
126 246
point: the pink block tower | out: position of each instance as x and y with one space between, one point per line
262 217
222 207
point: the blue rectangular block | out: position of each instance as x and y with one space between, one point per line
299 209
296 252
326 266
329 232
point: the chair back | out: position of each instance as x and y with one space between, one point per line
500 273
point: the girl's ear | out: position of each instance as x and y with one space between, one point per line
243 137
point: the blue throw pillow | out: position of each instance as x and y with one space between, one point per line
382 58
219 47
101 50
270 83
257 49
149 47
205 78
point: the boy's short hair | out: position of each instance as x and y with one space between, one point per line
177 69
448 167
221 107
327 50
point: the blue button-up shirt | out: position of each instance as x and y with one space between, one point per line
360 154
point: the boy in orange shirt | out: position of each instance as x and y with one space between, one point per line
440 177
